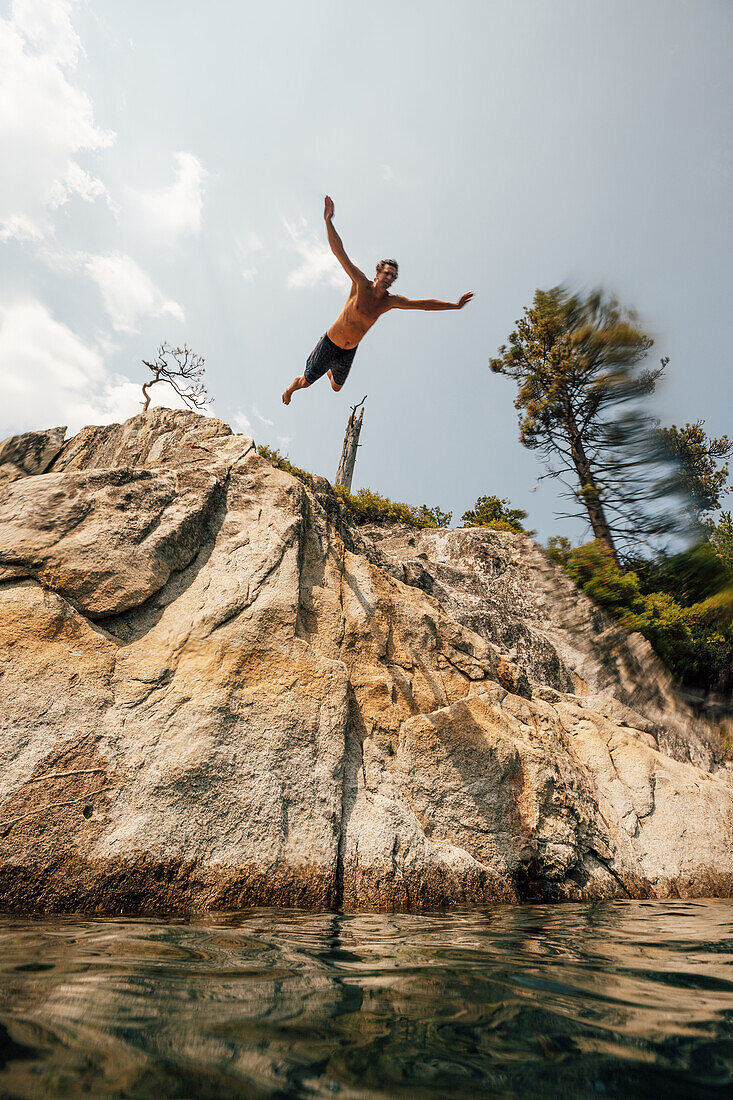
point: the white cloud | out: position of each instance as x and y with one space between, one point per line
241 422
46 25
317 262
77 181
21 228
172 211
128 292
244 246
262 419
51 376
38 352
45 120
247 243
390 176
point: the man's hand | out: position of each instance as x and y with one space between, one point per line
464 299
337 245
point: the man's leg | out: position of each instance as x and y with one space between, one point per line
339 371
298 383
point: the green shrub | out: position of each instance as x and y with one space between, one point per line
435 517
593 569
721 540
710 624
694 640
366 506
273 455
558 549
496 513
689 576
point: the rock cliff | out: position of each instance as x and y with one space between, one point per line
215 692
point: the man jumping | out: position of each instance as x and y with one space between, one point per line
334 353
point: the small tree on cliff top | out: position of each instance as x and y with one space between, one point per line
496 513
576 361
183 370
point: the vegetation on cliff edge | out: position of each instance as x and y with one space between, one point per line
681 603
366 506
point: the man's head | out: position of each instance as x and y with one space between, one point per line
386 272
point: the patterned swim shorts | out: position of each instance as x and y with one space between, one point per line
329 356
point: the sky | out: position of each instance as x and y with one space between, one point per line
164 173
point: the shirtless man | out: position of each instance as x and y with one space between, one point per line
367 301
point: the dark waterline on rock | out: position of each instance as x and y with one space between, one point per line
621 999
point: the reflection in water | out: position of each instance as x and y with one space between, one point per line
611 999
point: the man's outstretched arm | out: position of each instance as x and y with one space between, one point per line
337 245
398 302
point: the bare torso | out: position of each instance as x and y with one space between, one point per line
364 306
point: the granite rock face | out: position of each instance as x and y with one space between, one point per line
505 588
32 453
214 692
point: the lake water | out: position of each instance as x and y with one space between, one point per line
618 999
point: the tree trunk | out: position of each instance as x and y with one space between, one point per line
345 472
588 489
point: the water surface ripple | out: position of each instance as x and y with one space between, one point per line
617 999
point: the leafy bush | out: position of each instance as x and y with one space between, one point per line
593 569
436 517
366 506
694 639
559 548
690 576
495 512
273 455
709 655
721 540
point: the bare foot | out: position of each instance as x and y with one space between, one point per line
298 383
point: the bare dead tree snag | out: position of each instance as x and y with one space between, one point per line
179 363
345 472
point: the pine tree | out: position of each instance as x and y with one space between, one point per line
703 464
577 362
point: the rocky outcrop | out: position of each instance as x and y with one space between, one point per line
505 588
32 453
215 692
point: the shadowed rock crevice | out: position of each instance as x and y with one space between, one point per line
216 692
352 772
